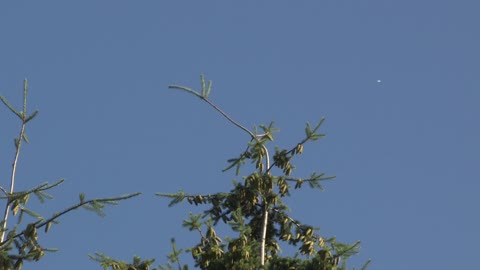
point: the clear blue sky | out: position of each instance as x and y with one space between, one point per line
397 81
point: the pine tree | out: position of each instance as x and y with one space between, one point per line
255 211
20 242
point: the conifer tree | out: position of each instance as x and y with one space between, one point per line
19 241
255 211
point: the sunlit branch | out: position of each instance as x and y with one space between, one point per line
42 223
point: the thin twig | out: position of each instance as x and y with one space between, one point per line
289 152
231 120
41 223
306 139
105 200
201 234
299 226
292 179
42 187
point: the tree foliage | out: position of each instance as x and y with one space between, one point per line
19 241
255 211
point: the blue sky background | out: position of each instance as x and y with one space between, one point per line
405 150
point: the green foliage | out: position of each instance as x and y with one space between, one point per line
107 262
254 210
20 242
174 258
205 89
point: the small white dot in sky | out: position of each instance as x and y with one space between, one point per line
379 81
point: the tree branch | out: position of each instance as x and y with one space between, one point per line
18 143
41 223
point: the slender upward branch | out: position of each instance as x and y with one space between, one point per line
264 234
18 144
12 183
